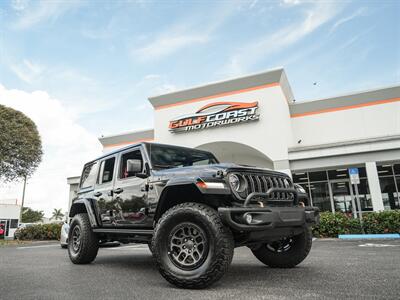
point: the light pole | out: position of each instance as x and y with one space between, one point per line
23 199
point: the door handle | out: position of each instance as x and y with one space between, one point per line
98 194
118 191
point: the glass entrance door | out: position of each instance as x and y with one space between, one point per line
342 195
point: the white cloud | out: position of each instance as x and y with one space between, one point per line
168 43
19 5
317 15
193 30
252 4
35 12
358 13
27 71
66 145
292 2
152 76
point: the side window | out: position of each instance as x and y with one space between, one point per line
88 177
106 171
134 155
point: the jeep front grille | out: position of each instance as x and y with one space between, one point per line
261 183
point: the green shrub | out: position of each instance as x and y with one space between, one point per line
382 222
333 224
39 232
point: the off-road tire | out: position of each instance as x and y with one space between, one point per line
218 255
290 258
89 246
151 249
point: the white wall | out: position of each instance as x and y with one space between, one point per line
237 153
9 211
347 125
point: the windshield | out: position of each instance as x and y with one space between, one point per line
165 157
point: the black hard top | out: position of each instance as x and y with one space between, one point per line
133 146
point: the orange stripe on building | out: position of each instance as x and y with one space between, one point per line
377 102
219 95
128 143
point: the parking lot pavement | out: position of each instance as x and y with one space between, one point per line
334 269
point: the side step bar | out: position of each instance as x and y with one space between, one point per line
124 231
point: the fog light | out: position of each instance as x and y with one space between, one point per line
249 218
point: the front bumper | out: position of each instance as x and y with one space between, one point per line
268 218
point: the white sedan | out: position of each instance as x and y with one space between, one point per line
64 235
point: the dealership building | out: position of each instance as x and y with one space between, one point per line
255 120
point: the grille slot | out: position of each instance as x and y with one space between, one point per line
261 183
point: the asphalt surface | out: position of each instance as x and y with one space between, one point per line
334 270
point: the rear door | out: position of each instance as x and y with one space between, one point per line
103 193
130 192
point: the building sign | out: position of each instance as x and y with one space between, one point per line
216 115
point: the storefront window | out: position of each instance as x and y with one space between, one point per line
322 185
389 179
385 170
396 168
320 195
300 178
365 196
338 174
318 176
342 197
396 203
389 193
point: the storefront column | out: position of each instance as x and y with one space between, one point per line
374 186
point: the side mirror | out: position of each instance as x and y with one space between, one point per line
134 166
146 172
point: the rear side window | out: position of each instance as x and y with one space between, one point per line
88 177
106 171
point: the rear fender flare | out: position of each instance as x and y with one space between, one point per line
84 206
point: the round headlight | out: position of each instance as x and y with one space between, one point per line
237 183
300 189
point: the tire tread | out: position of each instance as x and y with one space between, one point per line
223 240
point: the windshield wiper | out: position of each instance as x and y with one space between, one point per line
164 166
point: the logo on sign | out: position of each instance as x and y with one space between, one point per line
215 115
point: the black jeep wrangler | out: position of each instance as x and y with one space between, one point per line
191 210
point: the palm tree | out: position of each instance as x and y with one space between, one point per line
57 214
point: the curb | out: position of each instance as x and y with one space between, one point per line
369 236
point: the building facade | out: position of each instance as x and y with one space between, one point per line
9 217
255 120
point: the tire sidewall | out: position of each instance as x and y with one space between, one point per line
76 221
161 246
89 242
299 243
288 259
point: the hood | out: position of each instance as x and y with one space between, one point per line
206 171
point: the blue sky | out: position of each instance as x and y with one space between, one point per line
91 65
96 56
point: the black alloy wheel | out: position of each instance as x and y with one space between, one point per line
287 252
188 246
191 245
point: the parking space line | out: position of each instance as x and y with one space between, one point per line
38 246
